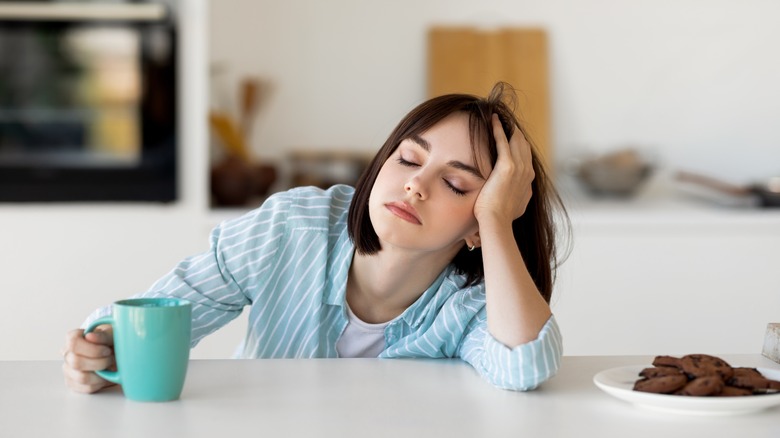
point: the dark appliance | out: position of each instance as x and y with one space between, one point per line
88 97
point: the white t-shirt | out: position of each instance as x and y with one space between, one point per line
361 339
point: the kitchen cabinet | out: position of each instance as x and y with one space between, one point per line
668 277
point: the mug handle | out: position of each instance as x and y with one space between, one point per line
111 376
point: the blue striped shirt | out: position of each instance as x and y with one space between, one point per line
288 261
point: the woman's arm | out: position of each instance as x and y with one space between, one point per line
214 281
521 368
218 282
516 311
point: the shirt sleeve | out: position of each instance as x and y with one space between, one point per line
220 281
521 368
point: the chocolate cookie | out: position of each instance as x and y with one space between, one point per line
700 365
667 361
661 385
754 382
703 386
659 371
702 375
747 372
733 391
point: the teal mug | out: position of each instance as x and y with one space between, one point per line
151 346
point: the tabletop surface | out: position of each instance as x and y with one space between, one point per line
357 397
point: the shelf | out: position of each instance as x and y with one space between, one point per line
658 205
670 211
663 202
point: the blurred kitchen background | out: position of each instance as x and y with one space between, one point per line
657 118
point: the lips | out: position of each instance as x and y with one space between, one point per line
404 211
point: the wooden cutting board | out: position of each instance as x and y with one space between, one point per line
470 60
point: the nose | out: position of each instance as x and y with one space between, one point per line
415 187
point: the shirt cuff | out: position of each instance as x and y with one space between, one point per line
525 366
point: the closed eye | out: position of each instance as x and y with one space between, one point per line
454 189
403 162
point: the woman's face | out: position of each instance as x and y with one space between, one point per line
423 197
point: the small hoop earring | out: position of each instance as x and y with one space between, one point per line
471 247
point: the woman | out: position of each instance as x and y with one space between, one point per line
445 248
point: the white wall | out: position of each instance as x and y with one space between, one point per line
695 79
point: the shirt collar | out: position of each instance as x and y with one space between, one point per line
338 269
415 313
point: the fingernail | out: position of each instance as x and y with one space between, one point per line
105 352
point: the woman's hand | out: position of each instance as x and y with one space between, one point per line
85 354
516 311
507 191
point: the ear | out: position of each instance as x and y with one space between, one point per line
473 240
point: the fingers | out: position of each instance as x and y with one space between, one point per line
96 345
518 143
515 147
86 363
84 355
522 146
502 144
83 381
515 163
103 334
87 354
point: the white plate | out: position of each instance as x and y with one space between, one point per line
619 382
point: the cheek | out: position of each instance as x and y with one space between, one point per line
459 218
388 173
380 184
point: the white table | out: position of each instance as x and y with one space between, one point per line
355 397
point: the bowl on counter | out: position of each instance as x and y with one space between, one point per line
619 174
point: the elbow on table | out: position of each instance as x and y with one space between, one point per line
523 380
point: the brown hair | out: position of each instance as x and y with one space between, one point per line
534 231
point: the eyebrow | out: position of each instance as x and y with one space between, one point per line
423 143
